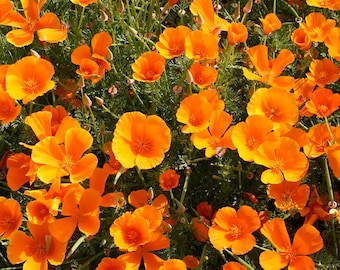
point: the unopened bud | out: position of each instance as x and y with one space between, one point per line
180 207
87 101
99 101
237 12
150 194
34 53
247 8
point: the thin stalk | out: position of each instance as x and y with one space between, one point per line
202 258
173 199
185 186
283 2
80 23
148 23
86 264
141 177
274 6
119 173
330 131
108 111
76 245
240 260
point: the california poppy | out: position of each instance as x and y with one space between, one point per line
29 78
200 45
195 112
217 136
204 209
233 229
330 4
93 62
276 104
149 67
173 264
270 23
307 240
331 42
58 160
247 136
317 26
323 72
83 214
9 109
111 263
289 196
42 210
200 227
213 98
3 71
10 217
283 160
202 75
233 266
134 142
269 70
48 26
36 251
301 39
168 180
172 41
237 33
83 3
323 102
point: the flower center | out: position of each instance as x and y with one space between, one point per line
7 223
252 143
234 232
132 236
31 85
323 109
141 146
195 119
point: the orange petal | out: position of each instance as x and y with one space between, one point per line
68 225
20 37
100 43
271 260
80 53
276 232
307 240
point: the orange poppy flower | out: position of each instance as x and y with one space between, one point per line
200 45
21 170
149 67
247 136
9 110
83 3
269 70
6 6
10 217
211 95
217 136
191 262
173 264
93 61
168 180
276 104
303 89
113 199
204 209
42 210
333 154
134 142
323 72
237 33
298 135
289 196
48 26
38 250
330 4
307 240
195 112
323 102
202 75
110 263
234 230
233 266
317 26
331 42
270 23
61 160
284 160
318 139
301 39
29 78
84 214
171 42
200 228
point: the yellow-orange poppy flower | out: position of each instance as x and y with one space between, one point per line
168 180
303 89
200 45
269 70
301 39
332 41
233 229
83 214
276 104
83 3
211 95
36 251
323 72
237 33
217 136
10 217
48 26
195 112
149 67
284 160
323 102
330 4
233 266
58 160
333 154
203 75
8 108
134 142
173 264
289 196
42 210
111 263
317 26
270 23
172 41
307 240
298 135
247 136
29 78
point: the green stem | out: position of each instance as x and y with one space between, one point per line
197 160
202 258
80 23
76 245
284 2
148 23
108 111
241 261
274 6
119 173
185 186
328 181
86 264
173 199
330 131
141 177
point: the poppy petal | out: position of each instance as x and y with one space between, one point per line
271 260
